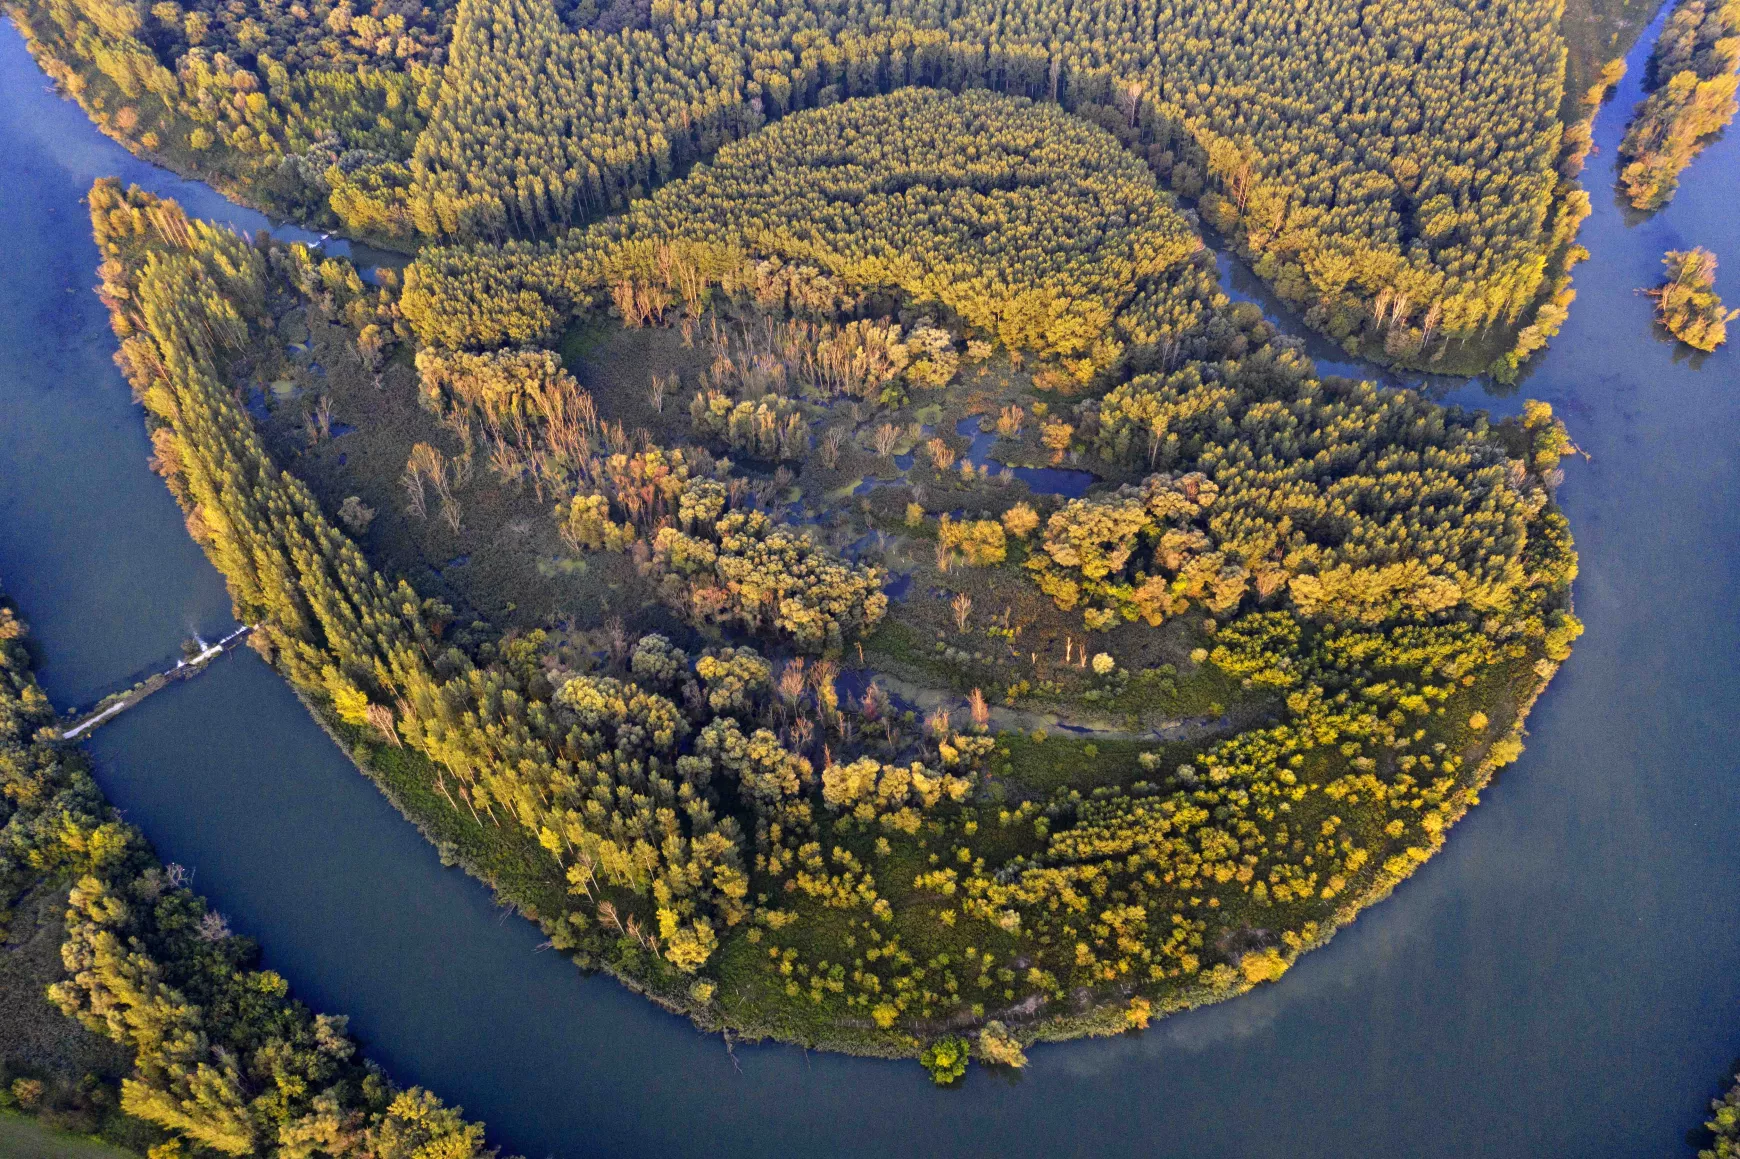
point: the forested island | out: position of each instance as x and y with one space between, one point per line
643 655
1692 82
1687 305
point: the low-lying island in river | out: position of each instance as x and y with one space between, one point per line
570 634
1483 967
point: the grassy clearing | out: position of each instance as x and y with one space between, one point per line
34 1036
24 1138
505 566
58 1081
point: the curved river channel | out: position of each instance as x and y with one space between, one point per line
1563 979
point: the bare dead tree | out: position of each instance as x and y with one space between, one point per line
616 639
419 502
323 417
980 710
831 444
213 927
1130 100
887 435
381 717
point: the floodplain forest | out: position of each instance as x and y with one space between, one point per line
811 531
725 821
1399 174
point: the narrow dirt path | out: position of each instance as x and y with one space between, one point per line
1026 720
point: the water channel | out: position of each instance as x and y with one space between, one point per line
1563 979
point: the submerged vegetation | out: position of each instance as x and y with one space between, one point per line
1692 82
1687 306
219 1058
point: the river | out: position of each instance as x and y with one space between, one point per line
1563 979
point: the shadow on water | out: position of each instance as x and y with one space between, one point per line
1563 979
1062 481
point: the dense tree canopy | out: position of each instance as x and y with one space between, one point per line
1408 152
1692 84
302 106
1334 115
1395 172
1032 227
1349 501
1688 305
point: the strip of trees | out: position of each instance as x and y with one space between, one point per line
1691 83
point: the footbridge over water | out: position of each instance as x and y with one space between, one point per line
78 723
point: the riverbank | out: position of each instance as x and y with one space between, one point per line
207 1049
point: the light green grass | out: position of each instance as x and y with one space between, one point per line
22 1138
